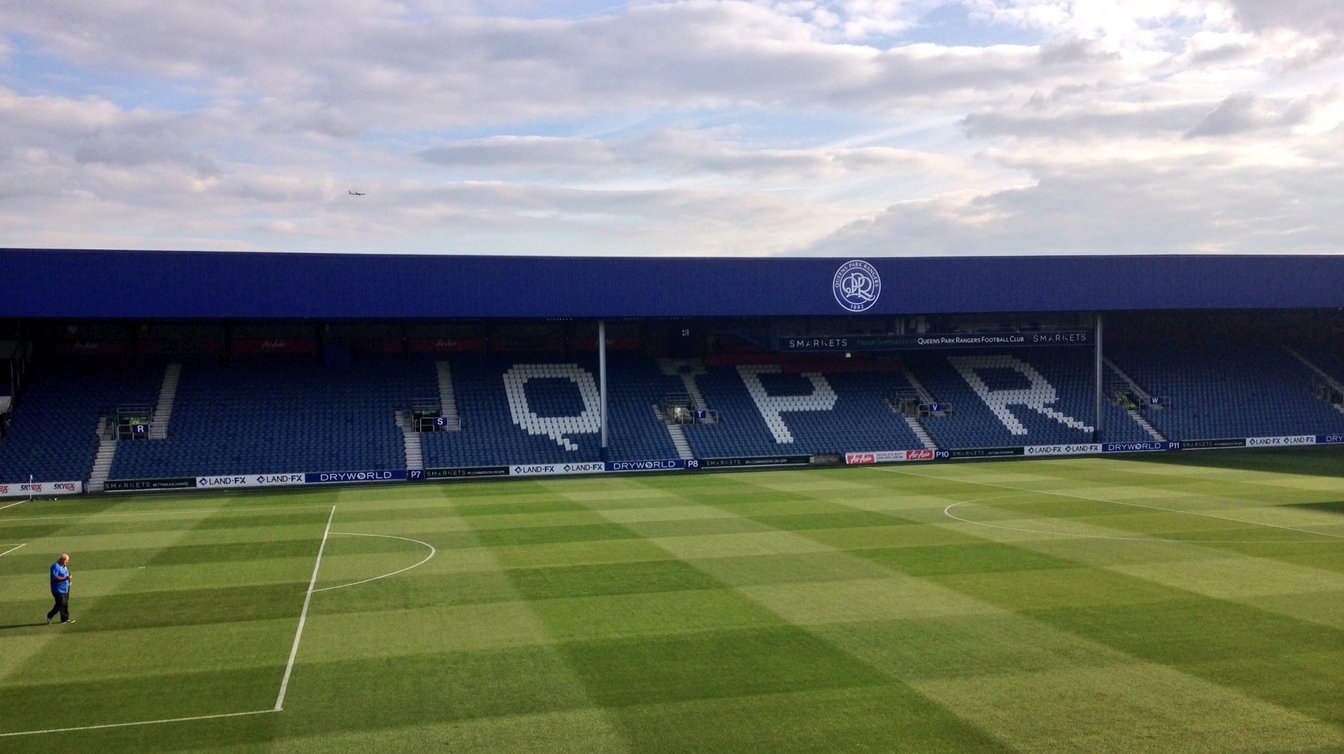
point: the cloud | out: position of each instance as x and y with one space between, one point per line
393 68
528 154
1234 115
679 127
92 131
139 150
1311 17
275 116
1094 122
1190 203
671 155
1219 49
1244 113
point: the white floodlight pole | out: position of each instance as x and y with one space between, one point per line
1096 349
602 378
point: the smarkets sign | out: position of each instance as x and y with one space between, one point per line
856 285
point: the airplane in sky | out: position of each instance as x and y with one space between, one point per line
355 193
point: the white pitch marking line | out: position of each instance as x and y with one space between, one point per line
138 722
11 505
429 557
303 617
12 549
1121 502
284 684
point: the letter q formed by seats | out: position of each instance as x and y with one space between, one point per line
558 428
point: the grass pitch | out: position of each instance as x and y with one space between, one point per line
1186 603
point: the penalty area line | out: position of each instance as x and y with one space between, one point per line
284 683
138 722
303 616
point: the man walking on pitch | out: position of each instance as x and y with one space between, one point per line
60 589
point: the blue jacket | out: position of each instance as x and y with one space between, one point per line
59 571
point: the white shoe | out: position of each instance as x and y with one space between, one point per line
48 621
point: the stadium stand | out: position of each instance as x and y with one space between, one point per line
521 409
1219 390
284 414
279 415
766 411
535 409
53 434
1003 400
1019 397
1329 362
635 388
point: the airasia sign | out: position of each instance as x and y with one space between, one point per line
887 456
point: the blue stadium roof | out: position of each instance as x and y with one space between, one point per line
70 283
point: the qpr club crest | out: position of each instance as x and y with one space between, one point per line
857 285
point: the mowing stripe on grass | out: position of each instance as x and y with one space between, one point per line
1118 502
1119 538
859 617
651 657
168 513
749 612
303 617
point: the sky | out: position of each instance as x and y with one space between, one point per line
851 128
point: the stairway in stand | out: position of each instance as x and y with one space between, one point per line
925 438
102 463
410 439
447 398
678 435
163 410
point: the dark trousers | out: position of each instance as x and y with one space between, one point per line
62 606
